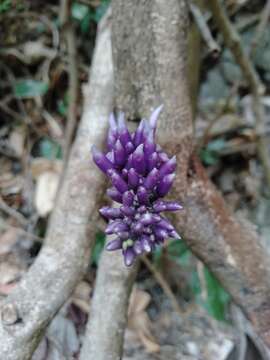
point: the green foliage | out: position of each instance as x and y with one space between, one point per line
62 105
85 14
99 245
79 11
49 149
210 155
29 88
5 5
217 298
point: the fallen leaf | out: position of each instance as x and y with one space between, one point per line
8 239
138 320
40 165
16 140
81 296
46 188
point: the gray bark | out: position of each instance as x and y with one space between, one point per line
149 50
65 253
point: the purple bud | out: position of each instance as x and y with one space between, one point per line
149 145
166 225
116 226
114 195
129 256
138 136
119 153
142 196
112 133
173 234
154 117
133 178
165 184
168 167
110 156
123 132
100 160
128 210
141 209
138 162
163 157
138 247
161 205
151 179
114 245
161 233
124 235
152 161
137 228
113 124
128 198
129 147
149 219
117 181
110 213
125 173
146 243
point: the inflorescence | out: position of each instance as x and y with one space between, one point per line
141 174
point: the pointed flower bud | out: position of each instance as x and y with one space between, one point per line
141 174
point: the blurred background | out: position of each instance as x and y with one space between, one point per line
45 56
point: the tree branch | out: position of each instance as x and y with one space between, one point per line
108 314
229 247
150 69
65 253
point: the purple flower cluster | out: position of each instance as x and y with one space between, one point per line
141 174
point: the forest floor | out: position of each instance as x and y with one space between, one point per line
177 308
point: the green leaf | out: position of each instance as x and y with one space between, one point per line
28 88
216 145
217 297
99 245
49 149
100 10
210 155
5 5
79 11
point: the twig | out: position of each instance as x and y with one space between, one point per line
13 213
163 284
260 28
68 29
205 32
233 42
65 252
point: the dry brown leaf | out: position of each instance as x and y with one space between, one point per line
41 165
150 345
139 300
11 268
81 296
8 240
138 319
16 140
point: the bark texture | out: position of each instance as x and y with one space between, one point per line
149 40
149 49
65 253
108 315
230 248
